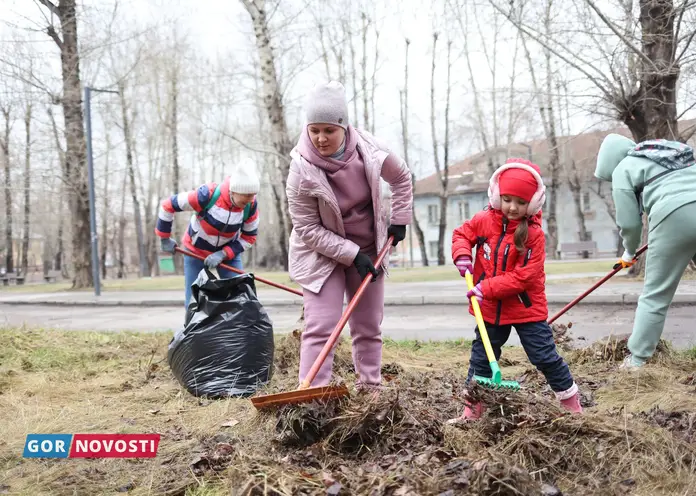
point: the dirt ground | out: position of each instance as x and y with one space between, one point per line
636 436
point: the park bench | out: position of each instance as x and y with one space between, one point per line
51 276
578 248
12 276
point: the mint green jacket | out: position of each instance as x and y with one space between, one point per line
628 173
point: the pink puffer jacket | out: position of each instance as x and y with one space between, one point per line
317 241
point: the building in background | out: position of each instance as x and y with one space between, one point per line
468 193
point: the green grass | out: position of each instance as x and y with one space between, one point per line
420 274
427 346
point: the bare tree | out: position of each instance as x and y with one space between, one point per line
5 146
366 113
637 77
65 180
442 170
272 96
27 187
128 138
374 78
481 127
545 104
105 206
76 157
348 33
404 135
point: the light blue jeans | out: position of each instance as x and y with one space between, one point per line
193 266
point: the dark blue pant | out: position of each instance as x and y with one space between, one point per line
537 341
193 266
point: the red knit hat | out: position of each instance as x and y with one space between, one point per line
519 182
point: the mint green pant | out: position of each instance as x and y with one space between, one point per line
671 246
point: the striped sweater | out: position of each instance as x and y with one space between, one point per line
221 227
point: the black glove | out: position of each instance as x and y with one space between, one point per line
364 265
399 233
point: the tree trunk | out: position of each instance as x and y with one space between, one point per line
174 123
272 96
444 179
5 145
76 155
544 101
652 113
554 159
374 79
324 51
575 185
366 112
58 259
122 268
105 207
140 239
404 136
27 189
354 72
65 168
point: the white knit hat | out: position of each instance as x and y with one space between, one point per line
326 104
243 179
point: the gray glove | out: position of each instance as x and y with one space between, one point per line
168 245
215 259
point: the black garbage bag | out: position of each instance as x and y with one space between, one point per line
226 345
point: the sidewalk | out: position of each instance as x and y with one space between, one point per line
613 292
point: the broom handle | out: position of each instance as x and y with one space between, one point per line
233 269
604 279
482 329
344 319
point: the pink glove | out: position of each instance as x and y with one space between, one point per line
463 264
476 292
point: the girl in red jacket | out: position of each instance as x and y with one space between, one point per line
509 277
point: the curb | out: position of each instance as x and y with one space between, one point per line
630 299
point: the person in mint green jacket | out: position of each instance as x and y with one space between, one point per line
656 177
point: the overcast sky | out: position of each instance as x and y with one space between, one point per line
219 27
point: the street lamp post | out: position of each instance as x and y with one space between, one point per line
90 179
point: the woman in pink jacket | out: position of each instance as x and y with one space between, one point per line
339 225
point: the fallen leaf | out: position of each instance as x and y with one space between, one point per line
549 490
327 479
224 449
153 412
125 488
230 423
334 489
4 489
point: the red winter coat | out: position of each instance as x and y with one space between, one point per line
512 283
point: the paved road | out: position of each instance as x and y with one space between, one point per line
433 322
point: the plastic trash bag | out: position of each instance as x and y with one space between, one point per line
226 345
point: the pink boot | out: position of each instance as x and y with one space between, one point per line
570 399
471 412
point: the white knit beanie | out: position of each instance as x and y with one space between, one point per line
243 179
326 104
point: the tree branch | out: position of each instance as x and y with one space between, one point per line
686 46
51 31
249 147
625 40
564 58
50 6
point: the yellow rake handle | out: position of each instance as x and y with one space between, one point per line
479 320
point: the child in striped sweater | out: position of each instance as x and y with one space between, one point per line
225 223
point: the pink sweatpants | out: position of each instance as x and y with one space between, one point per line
323 310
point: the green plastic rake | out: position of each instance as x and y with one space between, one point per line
495 381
